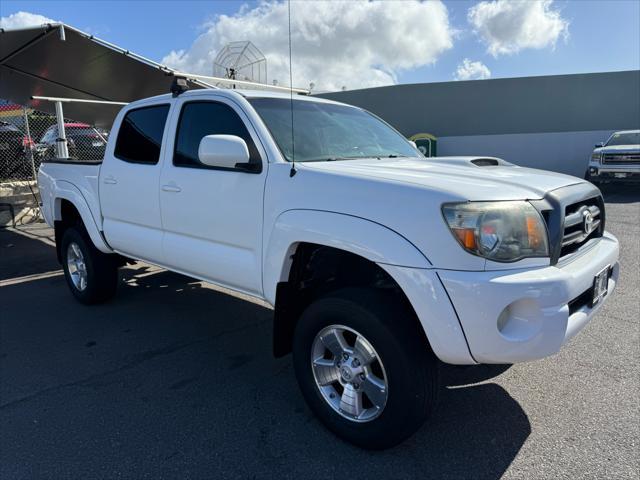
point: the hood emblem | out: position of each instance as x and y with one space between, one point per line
587 222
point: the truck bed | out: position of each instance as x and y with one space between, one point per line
74 177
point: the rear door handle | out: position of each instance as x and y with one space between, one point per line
111 180
172 187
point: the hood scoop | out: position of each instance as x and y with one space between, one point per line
486 162
471 161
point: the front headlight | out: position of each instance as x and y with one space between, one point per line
499 231
595 157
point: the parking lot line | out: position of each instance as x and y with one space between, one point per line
30 278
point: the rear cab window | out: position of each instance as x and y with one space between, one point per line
140 134
81 131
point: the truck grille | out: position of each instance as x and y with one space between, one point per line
621 158
574 215
582 222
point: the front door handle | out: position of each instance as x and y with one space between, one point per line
172 187
111 180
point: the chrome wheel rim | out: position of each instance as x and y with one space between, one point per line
349 373
76 266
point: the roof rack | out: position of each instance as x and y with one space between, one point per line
76 100
242 83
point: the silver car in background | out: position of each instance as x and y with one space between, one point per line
618 159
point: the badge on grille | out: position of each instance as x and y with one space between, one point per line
587 222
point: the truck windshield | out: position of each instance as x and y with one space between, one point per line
628 138
325 131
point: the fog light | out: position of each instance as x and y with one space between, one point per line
593 171
521 320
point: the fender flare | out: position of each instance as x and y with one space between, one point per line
68 191
350 233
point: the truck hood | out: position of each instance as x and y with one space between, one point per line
470 178
618 149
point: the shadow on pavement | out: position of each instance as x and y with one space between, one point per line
620 193
21 255
457 375
172 379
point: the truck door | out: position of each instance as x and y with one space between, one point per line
129 179
212 217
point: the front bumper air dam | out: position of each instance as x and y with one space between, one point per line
514 316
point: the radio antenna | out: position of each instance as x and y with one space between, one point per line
292 172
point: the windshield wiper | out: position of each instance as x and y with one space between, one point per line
363 157
391 155
337 159
333 159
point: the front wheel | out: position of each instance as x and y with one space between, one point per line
589 178
92 276
365 368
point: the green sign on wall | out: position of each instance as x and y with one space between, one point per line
426 143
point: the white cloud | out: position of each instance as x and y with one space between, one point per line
508 26
469 70
356 44
23 19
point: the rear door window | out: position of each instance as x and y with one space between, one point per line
140 135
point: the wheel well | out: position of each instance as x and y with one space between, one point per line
315 271
69 216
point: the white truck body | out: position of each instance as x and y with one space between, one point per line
377 260
239 231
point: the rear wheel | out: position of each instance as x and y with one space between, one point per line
365 368
92 276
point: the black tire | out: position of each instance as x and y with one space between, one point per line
410 365
101 268
589 178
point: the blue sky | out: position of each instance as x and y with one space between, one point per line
602 36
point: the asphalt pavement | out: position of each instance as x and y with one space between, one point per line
174 379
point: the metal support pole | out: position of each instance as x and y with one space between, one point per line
29 145
30 148
61 141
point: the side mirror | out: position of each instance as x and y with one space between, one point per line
415 145
226 151
599 144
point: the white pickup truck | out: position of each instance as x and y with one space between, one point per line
378 262
617 159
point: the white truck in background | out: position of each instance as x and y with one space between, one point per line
616 160
378 262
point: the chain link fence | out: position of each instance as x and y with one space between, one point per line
27 137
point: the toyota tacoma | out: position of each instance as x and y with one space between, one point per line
379 263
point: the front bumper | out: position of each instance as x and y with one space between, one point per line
620 173
513 316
